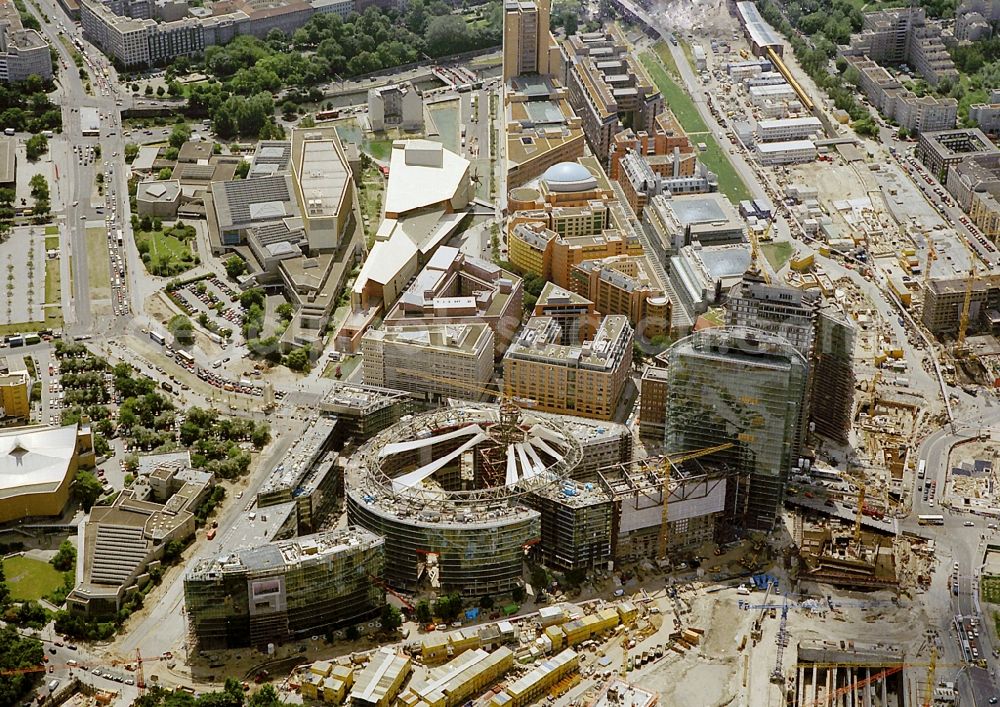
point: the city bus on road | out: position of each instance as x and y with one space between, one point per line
930 520
185 357
921 468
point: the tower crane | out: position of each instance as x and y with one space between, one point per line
667 462
963 322
755 251
778 675
931 257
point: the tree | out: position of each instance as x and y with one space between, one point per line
517 594
486 602
182 330
285 311
235 266
160 90
17 651
4 589
449 606
251 297
39 187
352 633
447 34
422 612
36 146
180 134
65 558
391 618
298 359
149 89
87 489
164 173
242 169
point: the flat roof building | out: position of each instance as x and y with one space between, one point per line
454 288
436 361
285 590
759 33
15 397
380 682
324 187
23 53
941 150
788 129
786 152
673 222
542 129
570 378
528 46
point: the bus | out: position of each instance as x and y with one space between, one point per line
121 238
157 337
921 468
930 520
185 357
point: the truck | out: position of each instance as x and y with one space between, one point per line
211 534
53 684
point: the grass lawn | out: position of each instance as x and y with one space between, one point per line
989 588
715 158
22 327
675 95
30 579
51 230
52 281
168 254
347 367
777 254
379 149
51 242
97 261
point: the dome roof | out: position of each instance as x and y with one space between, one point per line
568 177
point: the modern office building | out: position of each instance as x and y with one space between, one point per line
608 87
747 388
567 377
822 334
436 361
944 299
324 188
398 106
701 275
625 284
528 46
363 410
285 590
577 521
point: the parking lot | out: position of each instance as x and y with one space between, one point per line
215 299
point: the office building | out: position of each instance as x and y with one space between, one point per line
944 299
542 129
975 184
15 397
608 87
363 410
822 334
158 198
528 46
23 53
397 106
454 288
701 275
653 402
436 362
747 388
572 378
941 150
625 284
577 525
987 115
673 222
285 590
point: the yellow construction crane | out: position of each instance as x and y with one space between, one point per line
929 686
668 461
931 257
755 252
963 322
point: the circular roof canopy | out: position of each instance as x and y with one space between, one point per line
569 177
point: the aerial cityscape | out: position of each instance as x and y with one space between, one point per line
585 353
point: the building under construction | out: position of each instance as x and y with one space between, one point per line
363 410
829 674
842 557
706 499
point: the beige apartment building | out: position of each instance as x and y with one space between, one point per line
528 46
566 377
435 362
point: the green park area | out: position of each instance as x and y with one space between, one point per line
663 70
989 588
777 254
165 250
29 578
98 266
